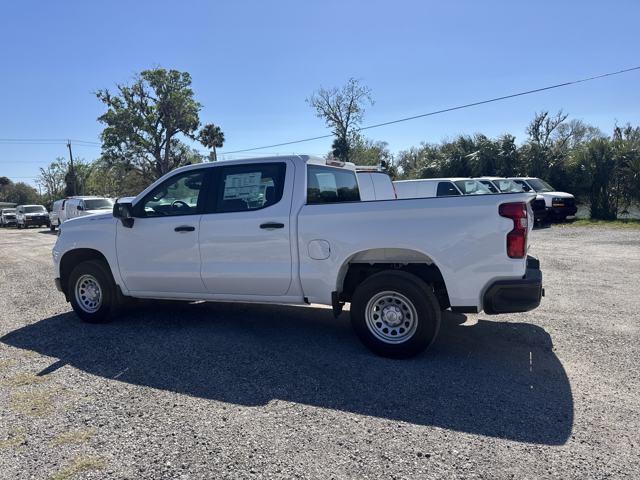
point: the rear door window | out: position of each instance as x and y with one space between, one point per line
446 189
331 185
249 187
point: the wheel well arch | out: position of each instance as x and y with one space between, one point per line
361 265
72 258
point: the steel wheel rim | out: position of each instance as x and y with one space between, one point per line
88 293
391 317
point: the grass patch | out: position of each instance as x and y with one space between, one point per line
16 438
22 379
32 403
585 222
74 436
81 464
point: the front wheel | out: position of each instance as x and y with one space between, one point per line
92 291
395 314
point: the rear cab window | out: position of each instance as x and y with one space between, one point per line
331 185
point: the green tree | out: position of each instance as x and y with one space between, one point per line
508 157
212 137
19 193
626 150
342 110
147 123
597 162
365 151
57 179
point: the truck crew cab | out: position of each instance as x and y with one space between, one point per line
293 230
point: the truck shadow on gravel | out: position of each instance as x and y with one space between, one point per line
493 378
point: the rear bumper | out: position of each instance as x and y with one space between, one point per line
518 295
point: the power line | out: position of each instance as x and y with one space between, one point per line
444 110
46 141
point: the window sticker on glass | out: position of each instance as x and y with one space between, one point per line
242 186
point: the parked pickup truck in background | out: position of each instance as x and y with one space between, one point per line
31 215
505 185
293 230
559 205
7 217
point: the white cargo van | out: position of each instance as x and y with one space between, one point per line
80 206
439 187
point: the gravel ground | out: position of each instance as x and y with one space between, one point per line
237 391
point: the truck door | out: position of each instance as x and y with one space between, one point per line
160 253
245 240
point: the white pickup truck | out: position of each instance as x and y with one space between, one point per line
292 230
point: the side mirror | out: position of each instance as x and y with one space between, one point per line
124 211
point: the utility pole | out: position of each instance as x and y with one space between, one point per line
72 171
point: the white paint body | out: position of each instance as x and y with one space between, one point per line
229 257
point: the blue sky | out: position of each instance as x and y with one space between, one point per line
253 64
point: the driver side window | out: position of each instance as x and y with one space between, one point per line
177 196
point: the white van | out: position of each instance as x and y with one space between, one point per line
374 184
79 206
439 187
56 215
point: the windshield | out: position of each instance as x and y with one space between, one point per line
472 187
508 186
540 185
9 210
98 204
34 209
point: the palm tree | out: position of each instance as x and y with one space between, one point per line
211 136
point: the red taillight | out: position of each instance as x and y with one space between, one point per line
516 238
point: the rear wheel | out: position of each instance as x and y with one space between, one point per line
395 314
92 291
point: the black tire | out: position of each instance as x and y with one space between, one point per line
100 272
403 287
